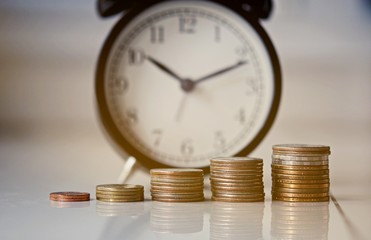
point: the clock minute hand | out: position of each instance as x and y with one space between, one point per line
240 63
164 68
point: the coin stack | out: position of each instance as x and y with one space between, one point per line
177 185
237 179
120 193
300 173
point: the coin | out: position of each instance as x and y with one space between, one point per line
300 167
119 187
178 184
69 196
179 172
165 199
301 172
301 195
306 158
300 177
236 160
298 163
284 185
290 181
300 190
301 148
293 199
136 199
236 199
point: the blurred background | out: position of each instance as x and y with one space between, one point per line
50 134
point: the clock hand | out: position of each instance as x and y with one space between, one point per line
164 68
240 63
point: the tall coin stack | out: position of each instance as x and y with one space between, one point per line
237 179
300 173
120 193
177 185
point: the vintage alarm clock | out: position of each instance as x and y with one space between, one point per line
181 81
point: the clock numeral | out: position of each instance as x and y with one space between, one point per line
217 34
187 24
131 115
157 34
157 133
186 148
135 57
252 87
121 85
241 116
219 140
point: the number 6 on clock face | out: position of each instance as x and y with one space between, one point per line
179 82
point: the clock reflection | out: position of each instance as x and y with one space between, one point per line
236 220
299 220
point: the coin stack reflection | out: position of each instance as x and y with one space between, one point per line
237 179
300 173
300 220
236 221
177 185
179 218
120 193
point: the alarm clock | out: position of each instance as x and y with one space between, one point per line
180 82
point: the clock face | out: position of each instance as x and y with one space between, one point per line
183 81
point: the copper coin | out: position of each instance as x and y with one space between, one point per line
237 181
300 177
69 196
233 176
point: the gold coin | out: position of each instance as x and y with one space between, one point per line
231 180
292 199
300 177
300 190
301 148
284 185
290 181
178 184
299 163
241 185
191 172
301 195
160 199
119 187
300 167
293 172
234 199
176 195
300 158
118 193
176 190
138 199
229 188
236 160
233 176
109 196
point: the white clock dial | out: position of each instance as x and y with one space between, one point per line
188 80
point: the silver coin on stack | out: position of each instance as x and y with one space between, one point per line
177 185
300 173
237 179
119 193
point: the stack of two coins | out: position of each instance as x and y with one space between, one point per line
300 173
177 185
120 193
237 179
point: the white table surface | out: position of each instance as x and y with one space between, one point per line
51 140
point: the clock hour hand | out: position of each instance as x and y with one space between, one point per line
221 71
164 68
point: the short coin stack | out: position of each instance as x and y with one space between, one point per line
69 196
237 179
300 173
177 185
120 193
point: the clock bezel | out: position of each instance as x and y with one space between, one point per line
107 121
